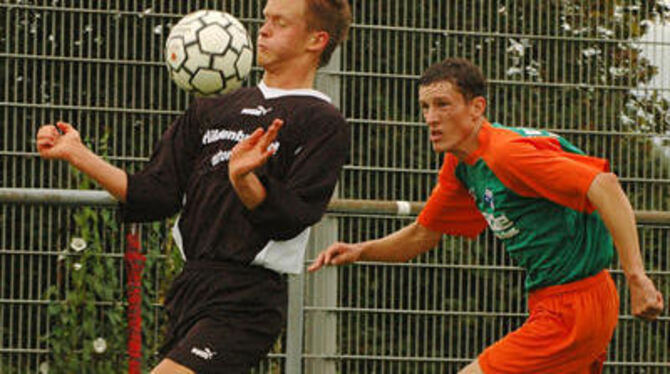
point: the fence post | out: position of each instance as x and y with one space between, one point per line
321 326
294 325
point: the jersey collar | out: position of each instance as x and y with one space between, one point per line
273 93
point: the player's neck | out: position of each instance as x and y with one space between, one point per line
470 144
289 77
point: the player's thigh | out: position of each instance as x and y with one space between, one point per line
472 368
168 366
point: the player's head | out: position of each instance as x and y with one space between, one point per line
451 95
463 74
301 31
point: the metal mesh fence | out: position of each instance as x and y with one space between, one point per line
591 71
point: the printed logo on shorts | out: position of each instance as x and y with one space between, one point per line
205 354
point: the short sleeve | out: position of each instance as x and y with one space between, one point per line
450 209
539 167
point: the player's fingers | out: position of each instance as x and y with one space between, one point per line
317 264
657 307
64 127
271 134
254 137
331 252
277 124
650 314
44 143
47 130
274 129
268 152
651 310
45 137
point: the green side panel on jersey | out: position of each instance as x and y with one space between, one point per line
554 243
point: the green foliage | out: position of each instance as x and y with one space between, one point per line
87 303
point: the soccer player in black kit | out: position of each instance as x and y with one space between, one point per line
250 172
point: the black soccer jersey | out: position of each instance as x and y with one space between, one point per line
188 172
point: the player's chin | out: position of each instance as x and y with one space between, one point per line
439 147
262 59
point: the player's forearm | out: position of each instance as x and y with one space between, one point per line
249 189
616 212
107 175
401 246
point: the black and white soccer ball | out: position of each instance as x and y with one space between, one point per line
209 52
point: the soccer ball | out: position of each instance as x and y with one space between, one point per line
208 52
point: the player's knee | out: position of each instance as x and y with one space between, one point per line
472 368
168 366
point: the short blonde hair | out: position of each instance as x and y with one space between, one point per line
333 17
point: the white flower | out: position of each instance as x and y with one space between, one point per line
514 71
76 266
44 368
590 52
99 345
63 255
78 244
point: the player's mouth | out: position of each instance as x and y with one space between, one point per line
435 135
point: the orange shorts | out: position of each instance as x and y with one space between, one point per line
568 331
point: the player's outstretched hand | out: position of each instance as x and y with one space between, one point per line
337 254
253 151
51 144
646 301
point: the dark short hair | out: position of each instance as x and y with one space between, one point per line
333 17
462 73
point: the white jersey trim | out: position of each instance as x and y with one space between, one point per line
284 256
176 235
273 93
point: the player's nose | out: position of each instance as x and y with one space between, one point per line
431 117
264 31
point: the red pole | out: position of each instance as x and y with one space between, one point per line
134 265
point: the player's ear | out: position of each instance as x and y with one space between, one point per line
318 40
478 106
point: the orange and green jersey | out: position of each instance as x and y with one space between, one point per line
530 187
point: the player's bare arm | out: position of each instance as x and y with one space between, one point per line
401 246
247 156
606 195
51 144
